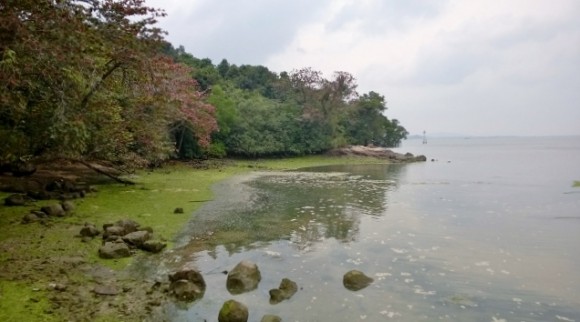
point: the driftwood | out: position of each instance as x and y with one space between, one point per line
105 173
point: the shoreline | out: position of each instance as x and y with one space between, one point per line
53 254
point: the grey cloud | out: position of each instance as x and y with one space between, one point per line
245 31
385 15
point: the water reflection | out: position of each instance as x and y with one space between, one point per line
303 207
420 241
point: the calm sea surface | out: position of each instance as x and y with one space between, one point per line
487 231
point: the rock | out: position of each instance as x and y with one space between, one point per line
233 311
147 228
128 225
106 290
57 287
137 238
15 200
29 218
114 250
178 210
243 278
39 195
356 280
188 274
55 185
112 232
285 291
53 210
187 285
271 318
67 206
153 246
421 158
185 290
38 213
89 230
22 169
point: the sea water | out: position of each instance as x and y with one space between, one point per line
488 229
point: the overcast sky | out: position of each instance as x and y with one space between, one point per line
476 67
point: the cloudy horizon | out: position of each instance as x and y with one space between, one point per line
463 67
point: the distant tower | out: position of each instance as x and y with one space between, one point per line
424 137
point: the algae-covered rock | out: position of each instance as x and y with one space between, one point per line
185 290
356 280
233 311
271 318
285 291
187 285
243 278
153 246
54 210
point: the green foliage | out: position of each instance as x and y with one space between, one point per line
96 79
85 80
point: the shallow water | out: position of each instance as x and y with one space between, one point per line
489 231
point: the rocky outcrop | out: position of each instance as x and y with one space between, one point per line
243 278
377 152
187 285
285 291
356 280
233 311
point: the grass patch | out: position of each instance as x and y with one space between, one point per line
20 302
576 184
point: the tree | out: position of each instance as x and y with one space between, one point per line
84 78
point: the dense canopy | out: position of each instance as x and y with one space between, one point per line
95 79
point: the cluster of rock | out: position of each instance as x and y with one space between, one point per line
121 238
54 210
58 189
63 190
377 152
189 285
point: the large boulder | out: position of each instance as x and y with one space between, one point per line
243 278
285 291
137 238
233 311
356 280
112 250
187 285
